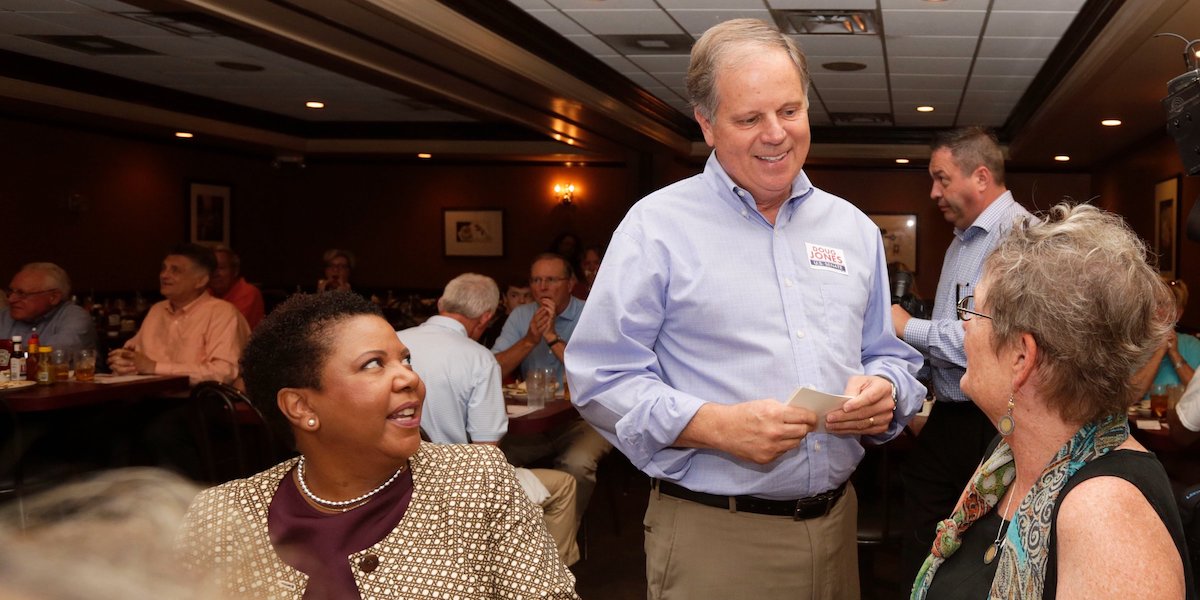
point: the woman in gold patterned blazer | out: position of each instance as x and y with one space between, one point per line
367 510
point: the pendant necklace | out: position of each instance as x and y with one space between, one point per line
989 555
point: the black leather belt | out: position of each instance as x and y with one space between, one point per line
799 510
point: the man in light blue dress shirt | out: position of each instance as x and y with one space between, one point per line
535 336
967 167
721 295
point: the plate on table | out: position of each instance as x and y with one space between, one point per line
518 392
7 386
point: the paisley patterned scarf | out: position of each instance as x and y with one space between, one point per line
1022 569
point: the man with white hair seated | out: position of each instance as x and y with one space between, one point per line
463 400
38 299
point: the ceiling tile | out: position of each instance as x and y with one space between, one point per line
929 65
643 79
622 21
843 95
842 45
19 24
925 22
901 81
106 5
934 98
860 106
557 21
818 4
983 118
926 5
661 63
1017 47
619 63
1008 66
999 83
531 4
874 64
930 45
1042 5
853 81
43 6
1028 23
590 43
697 22
99 23
603 4
721 4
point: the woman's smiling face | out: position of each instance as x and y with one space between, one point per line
370 398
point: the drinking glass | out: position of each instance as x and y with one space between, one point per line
85 365
540 384
1158 399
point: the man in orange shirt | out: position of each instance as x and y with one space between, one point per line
190 333
228 284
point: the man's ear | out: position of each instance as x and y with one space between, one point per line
705 127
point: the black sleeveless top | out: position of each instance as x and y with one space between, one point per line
964 575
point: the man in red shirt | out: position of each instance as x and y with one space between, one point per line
228 284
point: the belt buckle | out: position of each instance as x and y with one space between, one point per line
803 504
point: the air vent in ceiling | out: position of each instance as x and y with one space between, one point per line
861 118
649 44
827 22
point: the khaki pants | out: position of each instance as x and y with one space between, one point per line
697 552
559 512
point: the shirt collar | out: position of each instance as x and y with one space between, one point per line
50 314
574 308
189 306
445 323
990 218
738 197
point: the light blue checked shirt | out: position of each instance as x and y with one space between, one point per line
941 339
701 299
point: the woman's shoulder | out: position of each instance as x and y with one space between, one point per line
443 456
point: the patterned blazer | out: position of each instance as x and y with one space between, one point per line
469 532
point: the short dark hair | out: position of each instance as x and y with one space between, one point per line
972 147
202 256
567 266
290 346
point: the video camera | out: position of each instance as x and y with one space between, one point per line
1183 122
901 284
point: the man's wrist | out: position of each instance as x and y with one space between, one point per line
555 340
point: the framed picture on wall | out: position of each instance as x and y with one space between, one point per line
899 233
478 232
208 213
1166 217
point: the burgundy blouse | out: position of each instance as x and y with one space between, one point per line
318 544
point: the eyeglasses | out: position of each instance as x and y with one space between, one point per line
964 314
20 295
546 280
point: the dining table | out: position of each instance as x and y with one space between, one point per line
103 390
524 420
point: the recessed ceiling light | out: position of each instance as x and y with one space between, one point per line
1062 158
184 134
843 66
314 104
902 161
1110 122
925 108
424 155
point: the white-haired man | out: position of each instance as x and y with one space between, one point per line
463 399
38 299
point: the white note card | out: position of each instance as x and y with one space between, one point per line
818 402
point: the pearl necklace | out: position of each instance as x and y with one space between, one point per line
342 503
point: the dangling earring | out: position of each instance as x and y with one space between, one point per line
312 421
1007 423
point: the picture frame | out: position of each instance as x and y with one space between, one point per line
209 208
473 232
1166 225
899 231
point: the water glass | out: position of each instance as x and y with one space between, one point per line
85 365
1158 399
539 385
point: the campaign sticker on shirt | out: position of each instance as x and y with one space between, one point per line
826 258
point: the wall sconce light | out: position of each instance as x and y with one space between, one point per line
564 193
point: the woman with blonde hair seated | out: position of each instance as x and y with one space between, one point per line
1067 505
367 510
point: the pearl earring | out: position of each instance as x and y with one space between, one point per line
312 421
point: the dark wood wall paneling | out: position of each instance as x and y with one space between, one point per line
106 208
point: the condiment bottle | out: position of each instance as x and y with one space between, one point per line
32 358
45 375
